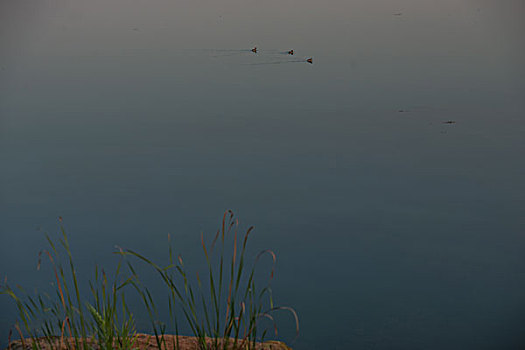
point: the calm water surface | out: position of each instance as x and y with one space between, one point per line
393 229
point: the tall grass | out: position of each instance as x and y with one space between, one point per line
64 319
224 310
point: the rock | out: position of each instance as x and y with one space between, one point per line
148 342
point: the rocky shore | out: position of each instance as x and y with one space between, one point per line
144 342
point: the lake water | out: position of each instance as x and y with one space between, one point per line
393 228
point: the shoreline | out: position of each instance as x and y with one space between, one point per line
145 342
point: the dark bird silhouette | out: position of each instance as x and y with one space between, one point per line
310 60
254 50
290 52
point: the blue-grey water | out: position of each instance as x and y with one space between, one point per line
393 228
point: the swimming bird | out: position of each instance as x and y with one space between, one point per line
290 52
310 60
254 50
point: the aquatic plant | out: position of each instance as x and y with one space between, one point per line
224 311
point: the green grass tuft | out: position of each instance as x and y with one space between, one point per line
227 306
